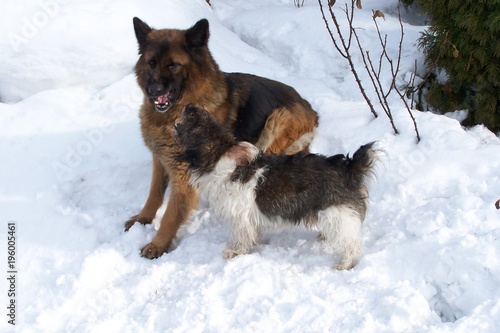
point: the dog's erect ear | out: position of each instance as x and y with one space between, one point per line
198 34
141 32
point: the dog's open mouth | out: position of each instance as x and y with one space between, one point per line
162 102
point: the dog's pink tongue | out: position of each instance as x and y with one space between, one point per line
163 99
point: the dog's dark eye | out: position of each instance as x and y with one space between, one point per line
152 63
173 65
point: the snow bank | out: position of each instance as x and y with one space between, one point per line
75 169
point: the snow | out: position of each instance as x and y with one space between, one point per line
75 168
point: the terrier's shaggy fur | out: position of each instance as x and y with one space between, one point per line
254 191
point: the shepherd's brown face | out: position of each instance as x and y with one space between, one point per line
166 60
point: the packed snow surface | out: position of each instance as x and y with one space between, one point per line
75 168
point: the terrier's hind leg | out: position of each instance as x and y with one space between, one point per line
341 227
243 237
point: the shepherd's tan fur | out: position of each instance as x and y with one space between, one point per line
184 67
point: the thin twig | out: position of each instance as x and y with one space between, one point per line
379 89
344 48
330 31
345 52
412 83
374 75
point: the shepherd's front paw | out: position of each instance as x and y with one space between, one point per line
137 218
152 251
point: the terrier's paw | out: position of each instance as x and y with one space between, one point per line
346 265
230 254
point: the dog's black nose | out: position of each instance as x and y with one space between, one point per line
155 89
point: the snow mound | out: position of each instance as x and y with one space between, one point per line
75 168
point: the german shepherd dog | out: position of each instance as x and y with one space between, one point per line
175 68
254 191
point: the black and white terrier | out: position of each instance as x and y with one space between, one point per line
255 191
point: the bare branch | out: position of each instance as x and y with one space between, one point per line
330 31
379 89
374 74
345 52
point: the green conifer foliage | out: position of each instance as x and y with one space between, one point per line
464 40
407 3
